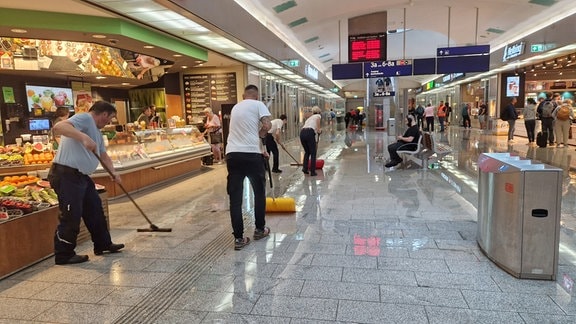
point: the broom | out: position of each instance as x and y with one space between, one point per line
278 205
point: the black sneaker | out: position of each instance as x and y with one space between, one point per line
77 258
112 248
277 171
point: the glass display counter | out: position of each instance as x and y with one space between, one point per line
147 157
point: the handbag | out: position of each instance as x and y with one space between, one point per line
215 138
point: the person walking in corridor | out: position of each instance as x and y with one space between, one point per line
512 116
529 116
429 115
245 158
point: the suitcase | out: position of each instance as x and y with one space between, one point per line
319 164
542 139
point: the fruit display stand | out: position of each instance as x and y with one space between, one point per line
29 239
151 157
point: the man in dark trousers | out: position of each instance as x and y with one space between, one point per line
69 175
245 158
411 135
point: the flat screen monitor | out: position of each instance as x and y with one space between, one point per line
48 98
42 124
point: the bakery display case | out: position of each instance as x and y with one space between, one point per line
147 157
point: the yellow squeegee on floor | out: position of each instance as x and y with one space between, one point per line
278 205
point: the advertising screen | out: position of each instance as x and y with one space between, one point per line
512 86
47 99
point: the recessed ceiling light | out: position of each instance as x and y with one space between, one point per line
198 61
100 77
177 55
98 36
19 31
148 46
125 83
184 66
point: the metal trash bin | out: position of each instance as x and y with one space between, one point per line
391 127
519 215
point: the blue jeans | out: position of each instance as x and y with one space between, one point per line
77 199
251 166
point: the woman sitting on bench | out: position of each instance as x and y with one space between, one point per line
410 138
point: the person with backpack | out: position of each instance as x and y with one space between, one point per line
420 116
511 117
545 110
563 116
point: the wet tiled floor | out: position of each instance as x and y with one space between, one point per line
366 245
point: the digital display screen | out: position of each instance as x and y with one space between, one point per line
48 99
512 86
365 48
39 124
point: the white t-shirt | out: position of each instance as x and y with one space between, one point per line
244 126
312 122
276 125
429 111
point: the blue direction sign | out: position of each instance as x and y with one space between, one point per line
384 94
463 50
387 68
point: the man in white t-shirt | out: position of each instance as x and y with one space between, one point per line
245 158
273 139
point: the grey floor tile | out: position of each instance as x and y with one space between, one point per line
164 265
227 266
304 247
267 286
207 301
21 289
296 307
118 261
227 318
383 251
383 277
309 272
370 312
443 255
446 315
341 290
547 319
180 317
345 261
422 296
458 245
498 301
510 284
214 282
22 309
78 273
79 293
480 267
81 313
125 296
132 279
456 280
409 264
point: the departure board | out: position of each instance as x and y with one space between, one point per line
366 48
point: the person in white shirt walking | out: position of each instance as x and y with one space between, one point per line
273 140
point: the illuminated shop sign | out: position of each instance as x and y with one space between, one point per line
311 72
512 51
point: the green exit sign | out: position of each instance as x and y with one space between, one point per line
538 48
292 63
